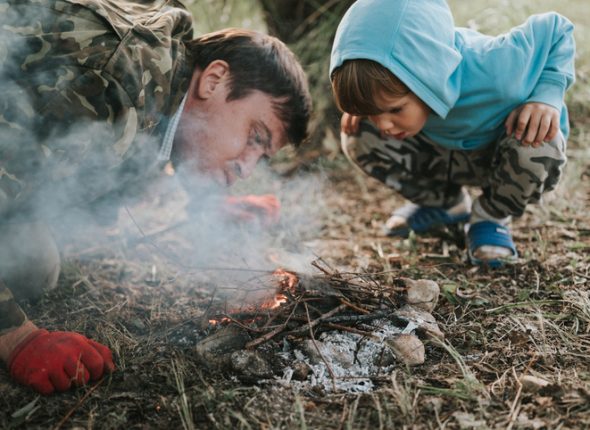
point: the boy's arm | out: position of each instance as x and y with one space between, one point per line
547 50
547 42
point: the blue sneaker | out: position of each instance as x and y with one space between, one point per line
490 243
422 219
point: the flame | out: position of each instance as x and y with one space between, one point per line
275 302
288 280
287 283
219 321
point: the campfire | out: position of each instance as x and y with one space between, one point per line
339 331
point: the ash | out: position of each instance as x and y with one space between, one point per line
354 360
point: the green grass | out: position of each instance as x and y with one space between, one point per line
212 15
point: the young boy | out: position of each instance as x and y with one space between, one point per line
449 107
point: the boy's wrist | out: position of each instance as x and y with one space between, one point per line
9 341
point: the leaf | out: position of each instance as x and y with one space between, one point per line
27 409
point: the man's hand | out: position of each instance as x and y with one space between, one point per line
533 123
349 124
265 209
55 361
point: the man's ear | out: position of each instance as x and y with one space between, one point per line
211 79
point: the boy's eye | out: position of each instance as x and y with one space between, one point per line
396 110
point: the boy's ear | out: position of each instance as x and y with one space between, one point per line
212 79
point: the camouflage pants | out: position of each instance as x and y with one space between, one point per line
510 175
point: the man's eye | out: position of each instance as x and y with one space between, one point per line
255 139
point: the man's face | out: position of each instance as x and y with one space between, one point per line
401 117
225 139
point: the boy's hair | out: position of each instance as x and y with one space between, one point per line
358 84
264 63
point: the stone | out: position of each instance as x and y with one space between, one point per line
407 348
422 294
212 351
250 365
424 321
532 384
300 371
331 349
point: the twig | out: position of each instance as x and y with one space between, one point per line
321 269
318 348
77 405
311 324
242 325
358 318
351 330
514 409
268 336
154 234
354 307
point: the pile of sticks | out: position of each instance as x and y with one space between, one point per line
317 303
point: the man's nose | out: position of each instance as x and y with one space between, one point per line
247 165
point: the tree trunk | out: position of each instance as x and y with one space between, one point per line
308 27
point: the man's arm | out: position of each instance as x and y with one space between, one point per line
47 361
14 325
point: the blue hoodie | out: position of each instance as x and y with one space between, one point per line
470 81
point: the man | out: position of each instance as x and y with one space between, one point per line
96 96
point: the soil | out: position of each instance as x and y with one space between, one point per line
528 319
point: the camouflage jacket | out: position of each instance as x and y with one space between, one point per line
86 89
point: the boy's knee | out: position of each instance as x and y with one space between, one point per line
29 259
542 165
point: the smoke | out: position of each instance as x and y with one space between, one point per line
67 173
236 258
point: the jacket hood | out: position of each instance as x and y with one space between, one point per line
414 39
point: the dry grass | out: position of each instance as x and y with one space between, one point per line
530 319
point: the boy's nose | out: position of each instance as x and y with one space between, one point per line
382 122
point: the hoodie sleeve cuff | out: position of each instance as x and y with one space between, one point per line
548 92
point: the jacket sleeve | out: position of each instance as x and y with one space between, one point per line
63 145
546 42
11 315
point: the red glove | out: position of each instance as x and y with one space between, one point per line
265 209
54 361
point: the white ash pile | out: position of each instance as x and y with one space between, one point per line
329 332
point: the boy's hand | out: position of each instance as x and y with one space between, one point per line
349 124
533 123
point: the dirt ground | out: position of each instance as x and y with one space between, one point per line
532 318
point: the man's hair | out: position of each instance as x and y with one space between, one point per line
264 63
358 84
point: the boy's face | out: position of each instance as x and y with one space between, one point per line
225 139
401 117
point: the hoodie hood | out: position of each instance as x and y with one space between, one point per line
406 37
